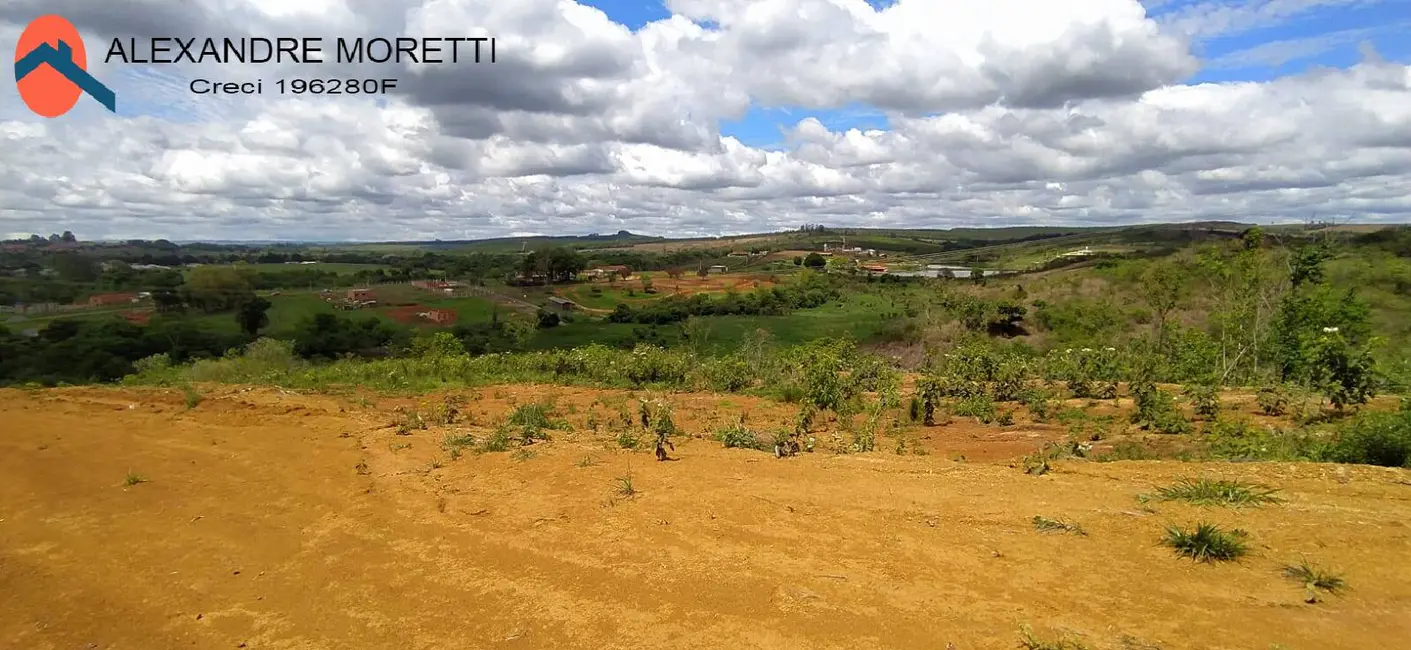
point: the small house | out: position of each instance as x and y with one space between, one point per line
360 294
562 303
718 268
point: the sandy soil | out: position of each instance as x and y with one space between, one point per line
275 520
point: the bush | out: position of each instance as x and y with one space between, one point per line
1273 400
1205 398
1374 439
1156 410
736 436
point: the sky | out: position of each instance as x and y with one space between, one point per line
691 118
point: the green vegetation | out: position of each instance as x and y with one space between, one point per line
1207 543
1206 491
1314 580
1029 641
1046 525
133 479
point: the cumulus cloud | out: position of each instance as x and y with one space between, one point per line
1080 113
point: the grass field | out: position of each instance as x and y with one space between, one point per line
334 267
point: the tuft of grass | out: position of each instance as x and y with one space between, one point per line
1210 492
1314 579
587 461
522 454
133 479
625 487
499 440
190 397
1046 525
1207 543
1029 641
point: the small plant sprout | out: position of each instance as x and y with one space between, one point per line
587 461
1207 543
1046 525
1314 579
1221 492
133 479
625 488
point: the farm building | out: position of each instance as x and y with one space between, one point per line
109 299
439 316
874 268
718 268
360 294
562 303
602 272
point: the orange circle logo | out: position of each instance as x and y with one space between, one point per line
43 85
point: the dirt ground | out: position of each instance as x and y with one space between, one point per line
269 519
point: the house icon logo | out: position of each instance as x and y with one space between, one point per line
51 68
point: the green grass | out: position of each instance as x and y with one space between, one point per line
1217 492
1207 543
1314 579
334 267
1029 641
133 479
1046 525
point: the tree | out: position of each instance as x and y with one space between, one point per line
646 283
548 319
68 237
73 267
251 316
220 288
798 260
624 273
675 274
814 261
1165 285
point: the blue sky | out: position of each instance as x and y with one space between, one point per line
1279 38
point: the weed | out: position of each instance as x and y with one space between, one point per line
1156 410
498 440
587 461
1210 492
1029 641
625 488
629 439
133 479
1005 418
409 420
522 454
736 436
1207 543
454 444
1314 579
190 397
1044 524
448 410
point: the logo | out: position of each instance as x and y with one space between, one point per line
51 68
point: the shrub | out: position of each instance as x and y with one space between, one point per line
1037 400
1156 410
1374 439
980 407
1273 400
1205 398
736 436
1207 543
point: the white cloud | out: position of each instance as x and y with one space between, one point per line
1074 114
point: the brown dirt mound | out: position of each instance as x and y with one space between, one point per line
271 519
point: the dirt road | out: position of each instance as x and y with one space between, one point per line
272 520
